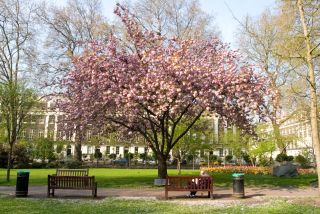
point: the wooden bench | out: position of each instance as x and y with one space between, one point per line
189 183
71 179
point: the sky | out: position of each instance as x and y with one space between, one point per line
224 20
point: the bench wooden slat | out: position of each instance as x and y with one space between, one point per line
72 172
189 183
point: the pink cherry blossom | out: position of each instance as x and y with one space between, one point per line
160 83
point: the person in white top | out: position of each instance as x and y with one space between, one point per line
193 193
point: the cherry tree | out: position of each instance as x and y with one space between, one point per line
157 83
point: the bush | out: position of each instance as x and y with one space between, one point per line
283 157
265 161
302 161
245 157
97 155
213 158
3 157
112 156
290 158
38 165
72 164
128 155
21 156
228 158
53 164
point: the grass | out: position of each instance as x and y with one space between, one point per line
113 205
126 178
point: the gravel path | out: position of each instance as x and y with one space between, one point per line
158 193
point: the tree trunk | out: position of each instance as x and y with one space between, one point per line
179 166
162 167
9 162
313 90
77 145
277 136
77 151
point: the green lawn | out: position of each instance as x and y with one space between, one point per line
9 205
124 178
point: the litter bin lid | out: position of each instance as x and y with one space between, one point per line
23 172
237 174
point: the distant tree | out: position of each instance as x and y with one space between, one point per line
198 138
299 21
259 40
181 19
43 148
69 27
16 56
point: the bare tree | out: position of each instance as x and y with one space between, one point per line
181 19
69 28
259 40
299 21
15 56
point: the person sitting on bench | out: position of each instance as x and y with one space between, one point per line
193 193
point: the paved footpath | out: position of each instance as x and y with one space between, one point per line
158 193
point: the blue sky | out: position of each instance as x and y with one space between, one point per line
218 8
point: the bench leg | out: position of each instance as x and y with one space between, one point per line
94 192
48 192
166 195
209 194
212 196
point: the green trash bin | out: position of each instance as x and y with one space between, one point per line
22 183
238 185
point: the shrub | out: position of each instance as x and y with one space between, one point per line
281 157
128 155
53 164
3 156
245 157
20 156
265 161
302 161
228 158
290 158
72 164
112 156
38 165
213 158
97 154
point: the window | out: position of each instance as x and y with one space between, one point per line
51 119
41 120
40 134
60 134
50 135
68 150
136 149
145 149
89 133
221 152
117 150
108 150
69 136
33 119
31 133
23 134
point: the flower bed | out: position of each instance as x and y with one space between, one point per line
242 169
251 170
306 171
